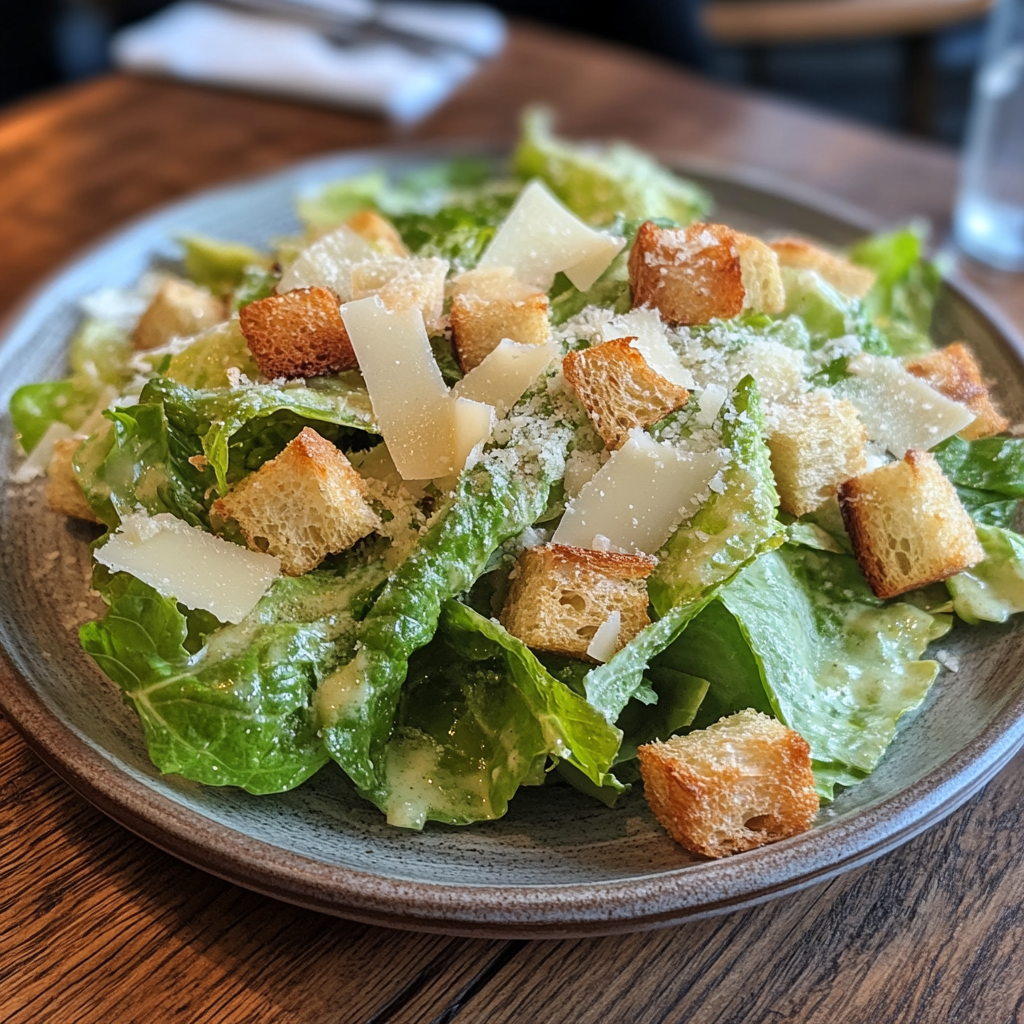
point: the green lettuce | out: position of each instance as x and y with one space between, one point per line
902 299
335 203
732 527
993 590
35 407
219 266
837 664
599 184
101 350
237 713
205 362
493 502
478 717
256 283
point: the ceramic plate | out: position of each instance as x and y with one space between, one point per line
558 863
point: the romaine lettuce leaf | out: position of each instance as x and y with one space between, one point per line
993 590
837 664
599 184
219 266
494 501
238 713
34 407
101 350
459 232
256 283
205 362
732 527
335 203
478 717
903 296
140 459
992 464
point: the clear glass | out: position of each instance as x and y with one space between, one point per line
989 217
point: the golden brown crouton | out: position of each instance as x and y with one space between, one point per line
178 310
738 784
818 443
907 525
762 279
63 491
302 506
561 595
844 276
489 305
297 334
378 231
706 271
954 372
619 389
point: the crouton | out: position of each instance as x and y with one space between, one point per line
297 334
561 595
403 284
954 372
619 390
817 443
739 784
178 310
489 305
907 525
371 227
846 277
302 506
706 271
63 491
763 289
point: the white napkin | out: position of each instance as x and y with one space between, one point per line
205 43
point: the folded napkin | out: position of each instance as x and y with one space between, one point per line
202 42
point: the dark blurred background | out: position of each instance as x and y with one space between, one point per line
917 81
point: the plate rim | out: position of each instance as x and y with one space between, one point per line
567 910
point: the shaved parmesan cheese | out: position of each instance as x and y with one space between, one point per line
403 283
327 263
409 398
898 410
190 565
710 403
540 237
474 422
641 493
505 374
39 458
606 640
648 333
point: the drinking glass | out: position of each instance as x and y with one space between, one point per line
989 216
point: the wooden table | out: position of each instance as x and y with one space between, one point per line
97 926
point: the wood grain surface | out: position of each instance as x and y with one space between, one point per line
97 926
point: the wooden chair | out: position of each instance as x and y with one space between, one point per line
755 25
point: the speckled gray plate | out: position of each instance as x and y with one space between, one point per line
558 864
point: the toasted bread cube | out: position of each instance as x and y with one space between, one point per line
816 444
703 272
178 310
619 389
302 506
954 372
489 305
738 784
907 525
762 279
297 334
846 277
370 226
63 491
403 284
561 595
